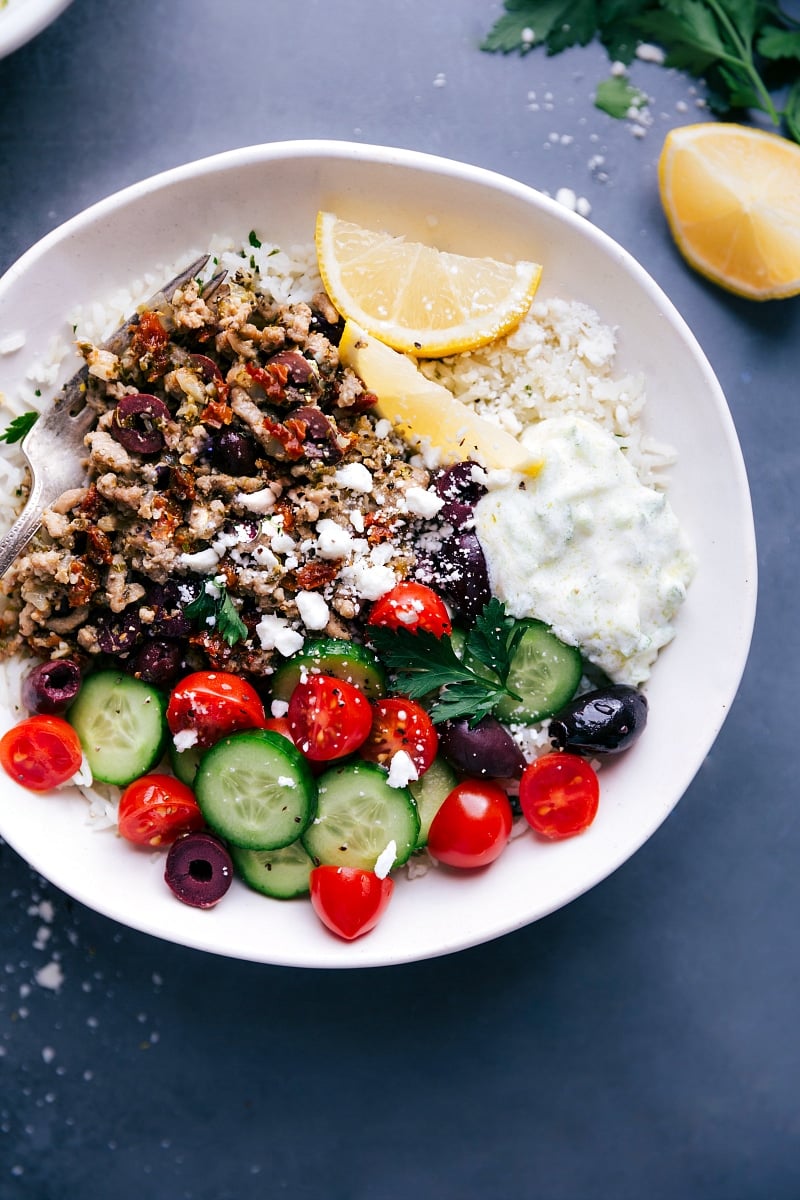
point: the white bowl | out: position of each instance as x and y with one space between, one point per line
278 189
23 19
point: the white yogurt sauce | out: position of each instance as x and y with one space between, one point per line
588 549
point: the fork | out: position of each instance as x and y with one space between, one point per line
54 445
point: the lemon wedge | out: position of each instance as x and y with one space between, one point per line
416 298
731 195
425 412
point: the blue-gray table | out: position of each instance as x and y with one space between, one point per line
643 1042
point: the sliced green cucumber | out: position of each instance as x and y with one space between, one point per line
121 722
349 661
429 792
544 673
184 763
358 816
256 789
282 873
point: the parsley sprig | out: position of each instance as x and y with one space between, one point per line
215 608
423 664
15 430
743 49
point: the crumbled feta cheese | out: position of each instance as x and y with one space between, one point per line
383 428
368 581
275 633
265 559
357 520
50 976
402 769
355 477
314 612
202 561
184 739
287 781
279 708
386 859
257 502
423 502
333 541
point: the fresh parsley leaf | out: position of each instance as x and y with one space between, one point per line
491 640
774 43
15 430
791 112
254 240
422 662
466 699
556 23
216 608
616 96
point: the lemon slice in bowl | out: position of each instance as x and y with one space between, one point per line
416 298
731 195
423 411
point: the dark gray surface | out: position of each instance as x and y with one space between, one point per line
642 1042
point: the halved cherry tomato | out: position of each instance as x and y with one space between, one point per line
41 752
472 826
412 606
328 718
559 795
214 704
153 810
279 725
349 900
400 724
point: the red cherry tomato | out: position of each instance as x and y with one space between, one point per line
400 724
472 826
279 725
559 794
328 718
349 900
214 704
41 752
153 810
412 606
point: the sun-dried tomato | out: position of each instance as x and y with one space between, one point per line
98 546
92 503
375 529
316 574
84 581
149 345
272 378
167 517
285 510
217 413
182 483
290 434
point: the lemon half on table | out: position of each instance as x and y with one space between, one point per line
418 299
731 195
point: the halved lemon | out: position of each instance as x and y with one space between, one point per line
416 298
731 195
423 411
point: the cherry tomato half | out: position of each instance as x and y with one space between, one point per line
559 795
472 826
155 809
400 724
412 606
349 900
214 704
41 752
328 718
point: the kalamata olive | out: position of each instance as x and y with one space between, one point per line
460 492
52 686
320 439
463 576
199 869
207 369
333 332
118 633
235 453
299 369
605 721
168 604
486 751
136 423
159 662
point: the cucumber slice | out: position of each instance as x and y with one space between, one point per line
429 793
282 873
184 763
545 673
255 789
121 722
358 815
349 661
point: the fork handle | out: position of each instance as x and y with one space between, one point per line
23 529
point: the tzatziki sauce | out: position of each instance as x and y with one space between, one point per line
587 548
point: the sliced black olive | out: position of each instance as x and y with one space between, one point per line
136 423
605 721
235 453
199 869
52 686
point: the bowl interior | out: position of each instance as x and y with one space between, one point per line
277 190
23 19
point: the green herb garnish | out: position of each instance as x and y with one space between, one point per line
616 96
254 240
742 49
15 431
215 607
423 663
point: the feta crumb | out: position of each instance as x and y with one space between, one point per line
287 781
383 427
184 739
257 502
314 612
333 540
279 708
275 633
402 769
386 860
202 561
354 476
368 581
357 520
423 502
50 976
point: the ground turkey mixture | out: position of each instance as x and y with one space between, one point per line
241 494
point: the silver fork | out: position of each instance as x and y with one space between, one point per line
54 447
